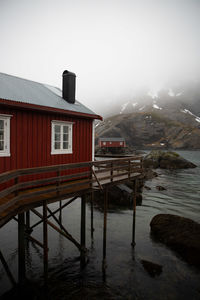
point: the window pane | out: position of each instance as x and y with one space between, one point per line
1 124
57 137
65 137
1 145
65 145
57 128
65 129
57 145
1 135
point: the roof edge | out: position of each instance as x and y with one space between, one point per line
36 107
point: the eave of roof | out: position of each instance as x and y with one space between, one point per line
49 109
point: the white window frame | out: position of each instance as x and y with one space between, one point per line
6 151
70 139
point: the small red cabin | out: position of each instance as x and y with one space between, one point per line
41 125
112 142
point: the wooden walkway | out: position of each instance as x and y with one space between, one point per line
21 190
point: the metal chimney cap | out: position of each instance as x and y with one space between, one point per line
66 73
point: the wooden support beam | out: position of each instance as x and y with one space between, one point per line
134 213
97 180
54 212
21 249
60 211
68 236
92 214
45 241
105 228
32 239
83 229
8 272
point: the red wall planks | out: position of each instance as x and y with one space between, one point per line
30 140
112 144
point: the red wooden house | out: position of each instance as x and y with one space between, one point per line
112 142
41 125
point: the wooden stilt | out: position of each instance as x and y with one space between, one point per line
105 228
57 210
92 214
21 249
83 228
134 213
28 219
45 241
60 211
63 232
8 272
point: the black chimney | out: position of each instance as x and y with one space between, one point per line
69 86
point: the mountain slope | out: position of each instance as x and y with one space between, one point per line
157 127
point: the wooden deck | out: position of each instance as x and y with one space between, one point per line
24 189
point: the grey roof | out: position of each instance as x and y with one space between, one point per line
112 139
27 91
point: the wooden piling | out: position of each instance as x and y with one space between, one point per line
105 228
21 249
45 241
134 213
92 214
83 229
60 211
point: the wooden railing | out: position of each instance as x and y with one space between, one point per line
17 185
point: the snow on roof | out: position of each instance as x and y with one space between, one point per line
27 91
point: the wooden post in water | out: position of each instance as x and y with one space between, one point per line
28 227
60 212
134 213
105 228
92 214
83 228
45 241
21 249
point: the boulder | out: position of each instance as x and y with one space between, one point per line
160 188
180 234
152 269
166 160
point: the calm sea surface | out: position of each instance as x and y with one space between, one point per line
125 277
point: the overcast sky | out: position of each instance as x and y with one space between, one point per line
113 46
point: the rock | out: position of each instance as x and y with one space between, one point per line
160 188
149 174
151 268
180 234
166 160
147 187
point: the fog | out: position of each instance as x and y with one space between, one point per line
116 47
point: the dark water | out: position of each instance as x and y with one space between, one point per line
125 277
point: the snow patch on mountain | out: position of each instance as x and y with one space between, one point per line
123 107
141 108
186 111
156 106
153 94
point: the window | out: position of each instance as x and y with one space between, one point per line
104 143
61 141
4 135
121 143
